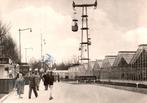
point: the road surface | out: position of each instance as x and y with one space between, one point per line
79 93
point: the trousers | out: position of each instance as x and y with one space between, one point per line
34 90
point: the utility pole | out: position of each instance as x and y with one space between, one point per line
30 29
41 53
42 58
85 40
26 53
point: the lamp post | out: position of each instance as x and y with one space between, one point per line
20 39
26 53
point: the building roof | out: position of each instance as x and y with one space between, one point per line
141 48
108 61
60 71
124 56
91 64
85 66
98 64
78 68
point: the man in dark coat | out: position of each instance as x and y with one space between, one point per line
37 78
46 80
32 85
51 82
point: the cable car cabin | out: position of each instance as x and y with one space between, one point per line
75 25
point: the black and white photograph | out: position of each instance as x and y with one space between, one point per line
73 51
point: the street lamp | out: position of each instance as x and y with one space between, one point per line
26 53
20 40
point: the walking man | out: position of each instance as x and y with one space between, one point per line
37 78
32 85
46 80
51 82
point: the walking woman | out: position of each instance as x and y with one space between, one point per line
19 85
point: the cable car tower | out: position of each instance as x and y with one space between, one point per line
85 40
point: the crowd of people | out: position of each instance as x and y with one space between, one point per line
34 78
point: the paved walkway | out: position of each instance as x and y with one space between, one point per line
43 96
79 93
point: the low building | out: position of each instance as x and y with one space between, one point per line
139 63
121 65
63 74
97 68
107 67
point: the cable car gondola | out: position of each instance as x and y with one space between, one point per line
75 25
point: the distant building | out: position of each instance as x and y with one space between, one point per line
81 70
97 68
63 74
139 63
121 65
107 66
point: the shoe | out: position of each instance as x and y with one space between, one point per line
36 96
51 98
38 88
20 97
29 97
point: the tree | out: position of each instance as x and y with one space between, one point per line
37 64
7 44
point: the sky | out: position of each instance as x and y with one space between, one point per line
115 25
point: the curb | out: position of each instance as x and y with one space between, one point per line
5 97
131 89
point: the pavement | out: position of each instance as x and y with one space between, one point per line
78 93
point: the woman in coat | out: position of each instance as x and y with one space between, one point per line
20 85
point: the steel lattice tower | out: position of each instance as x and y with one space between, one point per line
85 40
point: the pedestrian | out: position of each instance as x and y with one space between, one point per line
58 77
51 82
38 78
19 85
32 85
46 80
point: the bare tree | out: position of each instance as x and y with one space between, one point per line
7 44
